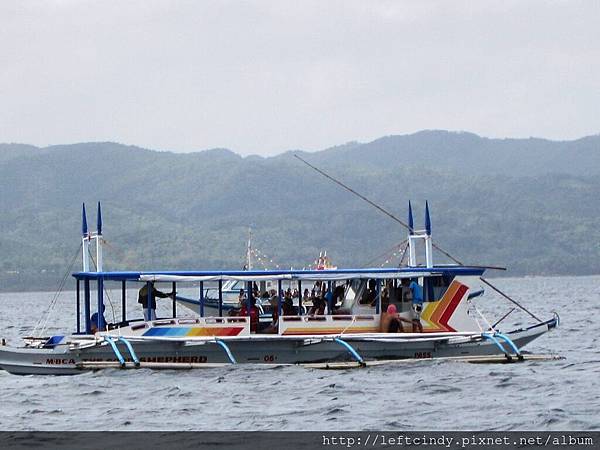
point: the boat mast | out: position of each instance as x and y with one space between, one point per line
85 241
87 237
417 235
99 240
249 250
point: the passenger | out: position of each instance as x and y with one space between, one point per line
254 314
241 298
391 322
288 307
95 319
417 305
369 296
150 310
385 298
329 301
273 327
318 307
406 294
338 294
306 296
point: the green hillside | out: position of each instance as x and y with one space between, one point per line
530 204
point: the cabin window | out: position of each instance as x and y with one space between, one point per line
436 287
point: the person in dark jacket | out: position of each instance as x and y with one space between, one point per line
150 310
95 321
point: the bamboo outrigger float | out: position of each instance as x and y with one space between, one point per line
351 331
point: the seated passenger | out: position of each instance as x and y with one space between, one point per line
288 307
94 320
241 298
391 322
306 296
318 307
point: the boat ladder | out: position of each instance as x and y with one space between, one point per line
227 350
351 350
494 338
134 357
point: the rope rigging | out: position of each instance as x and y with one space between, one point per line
405 225
43 320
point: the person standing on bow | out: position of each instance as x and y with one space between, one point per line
150 309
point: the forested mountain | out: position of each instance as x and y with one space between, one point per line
530 204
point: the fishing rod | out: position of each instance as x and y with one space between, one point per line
405 225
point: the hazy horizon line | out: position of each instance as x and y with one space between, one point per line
272 155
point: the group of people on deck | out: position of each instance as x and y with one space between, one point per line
319 298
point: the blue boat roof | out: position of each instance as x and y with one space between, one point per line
257 275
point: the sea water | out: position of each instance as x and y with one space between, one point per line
424 395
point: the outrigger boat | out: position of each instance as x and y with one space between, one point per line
348 333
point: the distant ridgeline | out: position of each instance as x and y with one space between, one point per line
530 204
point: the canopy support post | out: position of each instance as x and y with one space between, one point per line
220 298
378 302
78 308
202 299
86 306
299 297
101 324
150 289
123 301
249 288
279 298
174 305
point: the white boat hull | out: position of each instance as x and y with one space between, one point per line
258 349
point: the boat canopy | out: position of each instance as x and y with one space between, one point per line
262 275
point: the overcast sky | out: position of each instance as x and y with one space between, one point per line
268 76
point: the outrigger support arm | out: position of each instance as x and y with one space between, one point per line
115 350
227 350
492 338
351 350
511 344
136 360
